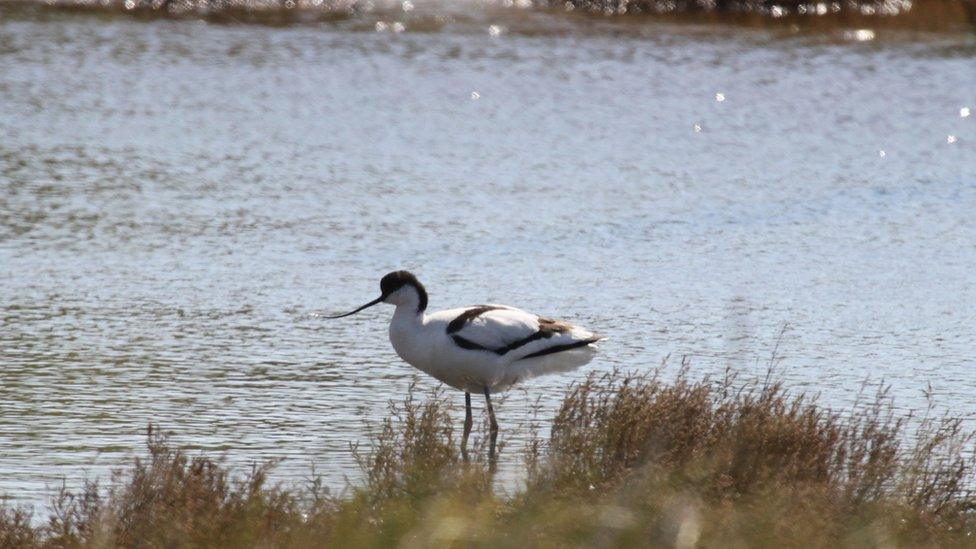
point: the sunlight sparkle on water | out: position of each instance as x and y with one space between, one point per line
861 35
951 139
407 5
145 318
496 30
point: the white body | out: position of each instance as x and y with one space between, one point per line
423 341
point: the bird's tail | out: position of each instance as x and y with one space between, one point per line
562 358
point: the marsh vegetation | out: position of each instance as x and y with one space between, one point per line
631 459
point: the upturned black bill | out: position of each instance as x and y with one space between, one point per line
370 304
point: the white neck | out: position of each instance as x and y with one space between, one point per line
405 328
406 314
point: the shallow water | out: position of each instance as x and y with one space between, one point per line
179 201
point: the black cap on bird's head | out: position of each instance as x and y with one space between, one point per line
390 285
396 280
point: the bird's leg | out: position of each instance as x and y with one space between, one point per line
467 426
494 430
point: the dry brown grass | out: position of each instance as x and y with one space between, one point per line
632 460
759 464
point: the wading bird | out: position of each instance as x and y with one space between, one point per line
484 348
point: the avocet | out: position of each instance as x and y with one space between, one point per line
481 349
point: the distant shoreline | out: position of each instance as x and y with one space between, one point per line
541 16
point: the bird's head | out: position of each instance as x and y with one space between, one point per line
397 288
402 288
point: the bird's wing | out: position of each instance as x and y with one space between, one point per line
512 332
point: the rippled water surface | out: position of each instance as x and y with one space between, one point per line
179 199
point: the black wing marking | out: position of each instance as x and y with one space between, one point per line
468 316
468 344
547 328
561 348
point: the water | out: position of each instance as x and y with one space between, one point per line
179 199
